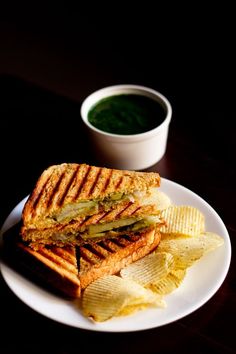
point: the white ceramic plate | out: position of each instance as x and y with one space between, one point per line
201 283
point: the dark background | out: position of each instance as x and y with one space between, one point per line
50 60
185 53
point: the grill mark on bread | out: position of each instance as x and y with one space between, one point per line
136 210
67 253
55 190
124 242
115 246
131 238
61 261
115 214
105 245
125 209
95 182
37 197
93 248
107 182
82 183
118 243
118 184
130 210
93 219
103 217
67 188
92 253
89 256
79 171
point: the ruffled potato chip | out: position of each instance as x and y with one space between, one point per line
113 296
144 283
150 269
169 283
157 272
187 250
183 220
131 309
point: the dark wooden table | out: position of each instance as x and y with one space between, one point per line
40 128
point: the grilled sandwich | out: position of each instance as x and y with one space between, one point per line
71 269
73 204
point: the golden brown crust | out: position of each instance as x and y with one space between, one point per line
70 272
115 255
61 185
57 269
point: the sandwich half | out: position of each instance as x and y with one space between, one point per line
70 269
74 204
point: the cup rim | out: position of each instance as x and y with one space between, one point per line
108 91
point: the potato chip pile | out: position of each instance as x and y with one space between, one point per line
144 283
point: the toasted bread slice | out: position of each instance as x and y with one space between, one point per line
56 267
66 192
69 270
111 255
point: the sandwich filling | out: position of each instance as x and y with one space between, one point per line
125 219
129 225
93 232
90 207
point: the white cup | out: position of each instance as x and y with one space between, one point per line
129 152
